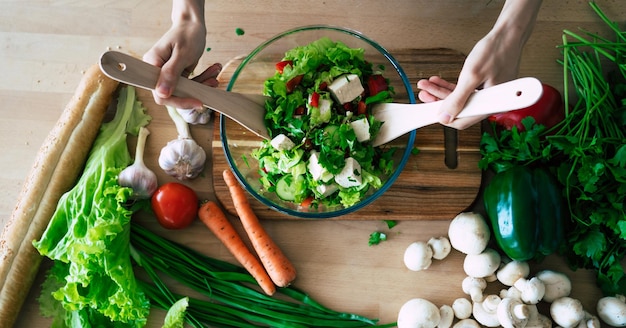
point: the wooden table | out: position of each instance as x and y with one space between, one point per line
46 45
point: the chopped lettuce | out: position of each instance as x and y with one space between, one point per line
92 283
175 317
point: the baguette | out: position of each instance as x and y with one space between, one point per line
57 166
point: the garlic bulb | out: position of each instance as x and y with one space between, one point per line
182 158
196 116
138 176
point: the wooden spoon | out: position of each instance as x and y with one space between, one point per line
248 110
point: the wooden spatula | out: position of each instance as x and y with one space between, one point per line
249 111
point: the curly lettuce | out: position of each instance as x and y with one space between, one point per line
91 282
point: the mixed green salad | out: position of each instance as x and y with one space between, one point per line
318 116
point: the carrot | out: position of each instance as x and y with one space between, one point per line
215 219
278 266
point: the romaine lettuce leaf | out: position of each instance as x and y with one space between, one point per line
88 236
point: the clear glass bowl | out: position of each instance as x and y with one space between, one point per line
259 65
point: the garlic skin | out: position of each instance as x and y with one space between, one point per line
138 176
182 158
196 116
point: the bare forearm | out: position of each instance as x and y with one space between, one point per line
517 18
188 10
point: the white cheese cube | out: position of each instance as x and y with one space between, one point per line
318 172
282 142
350 175
346 88
326 190
361 128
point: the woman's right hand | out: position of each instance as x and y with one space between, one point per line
177 53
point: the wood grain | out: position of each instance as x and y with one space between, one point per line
439 182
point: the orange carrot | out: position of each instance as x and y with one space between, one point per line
215 219
279 268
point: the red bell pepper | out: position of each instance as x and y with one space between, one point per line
280 66
375 84
548 111
315 99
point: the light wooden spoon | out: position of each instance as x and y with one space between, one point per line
248 110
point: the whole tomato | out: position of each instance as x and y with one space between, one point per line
175 205
548 111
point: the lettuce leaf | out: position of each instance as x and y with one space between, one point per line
88 236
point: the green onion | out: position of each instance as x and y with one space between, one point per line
231 295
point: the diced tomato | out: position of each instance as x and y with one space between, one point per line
376 83
347 107
361 108
301 110
315 99
323 86
280 66
306 203
291 84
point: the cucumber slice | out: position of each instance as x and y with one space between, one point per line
290 188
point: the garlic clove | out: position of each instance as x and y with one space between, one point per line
138 176
182 158
196 116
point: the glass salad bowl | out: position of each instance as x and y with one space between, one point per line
250 77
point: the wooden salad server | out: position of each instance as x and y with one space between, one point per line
249 111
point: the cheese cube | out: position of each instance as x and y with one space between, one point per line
282 142
361 128
350 175
346 88
326 190
318 172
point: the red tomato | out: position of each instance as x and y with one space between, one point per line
293 83
361 108
280 66
376 83
548 111
315 99
175 205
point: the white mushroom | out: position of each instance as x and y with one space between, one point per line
532 290
469 233
485 312
440 246
510 272
536 319
567 312
462 308
466 323
557 285
512 313
481 265
590 321
612 310
474 287
418 256
418 313
446 315
511 292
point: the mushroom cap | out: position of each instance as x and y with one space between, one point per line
418 256
567 312
469 233
481 265
512 313
418 313
440 246
510 272
612 311
557 284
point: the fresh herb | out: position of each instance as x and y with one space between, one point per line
376 237
391 223
92 280
586 152
230 294
240 31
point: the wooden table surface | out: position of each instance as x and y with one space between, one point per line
46 45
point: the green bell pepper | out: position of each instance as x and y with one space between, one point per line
526 211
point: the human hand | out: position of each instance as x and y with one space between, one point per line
494 59
177 53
